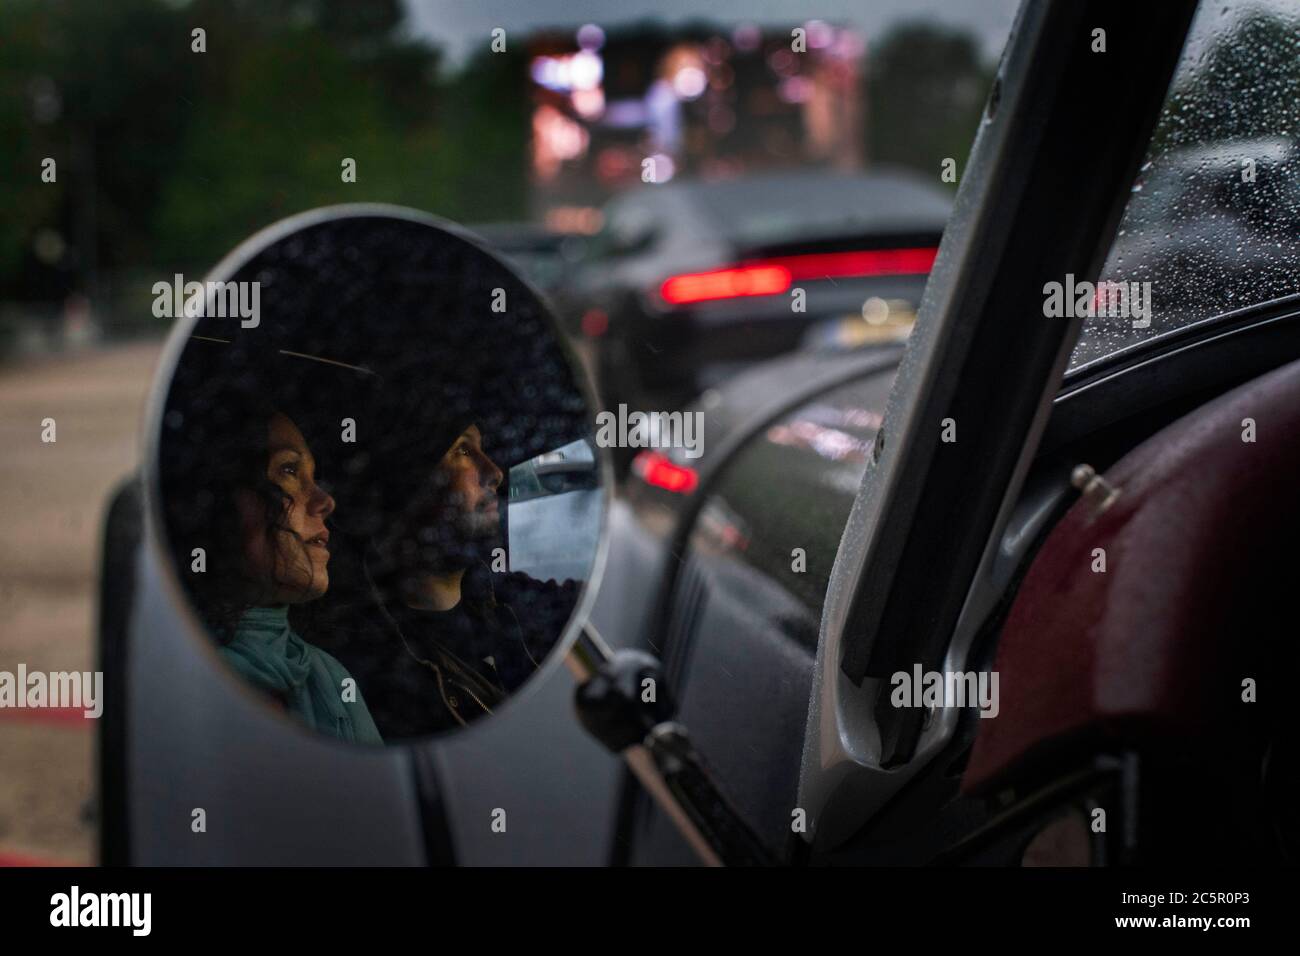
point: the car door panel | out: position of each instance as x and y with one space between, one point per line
741 636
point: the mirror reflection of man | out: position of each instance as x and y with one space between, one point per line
450 524
449 634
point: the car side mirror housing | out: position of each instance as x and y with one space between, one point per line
330 447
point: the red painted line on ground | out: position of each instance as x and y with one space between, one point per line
22 859
63 716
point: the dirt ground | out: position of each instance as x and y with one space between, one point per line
52 500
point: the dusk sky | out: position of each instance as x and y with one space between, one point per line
459 26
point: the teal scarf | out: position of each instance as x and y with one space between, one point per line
266 651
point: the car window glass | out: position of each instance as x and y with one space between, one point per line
780 206
554 510
628 227
779 545
1213 221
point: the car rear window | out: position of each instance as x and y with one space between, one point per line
780 208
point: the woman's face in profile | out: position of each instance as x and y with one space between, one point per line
294 556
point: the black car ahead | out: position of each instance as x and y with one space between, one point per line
689 281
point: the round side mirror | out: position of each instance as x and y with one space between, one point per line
372 465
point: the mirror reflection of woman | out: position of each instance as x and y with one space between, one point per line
266 523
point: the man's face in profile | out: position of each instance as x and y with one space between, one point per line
453 521
470 481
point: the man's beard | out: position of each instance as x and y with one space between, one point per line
458 541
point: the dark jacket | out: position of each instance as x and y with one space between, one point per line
423 672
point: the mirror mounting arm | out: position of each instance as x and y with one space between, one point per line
622 701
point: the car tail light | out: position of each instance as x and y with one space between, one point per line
657 470
725 284
775 275
595 323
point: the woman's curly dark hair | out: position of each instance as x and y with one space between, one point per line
214 447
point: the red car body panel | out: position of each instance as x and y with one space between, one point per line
1150 649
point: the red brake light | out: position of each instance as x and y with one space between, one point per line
774 276
657 470
866 262
595 323
725 284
